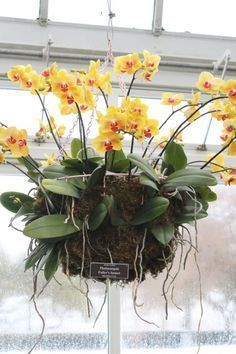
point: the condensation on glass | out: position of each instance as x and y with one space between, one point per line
64 309
217 262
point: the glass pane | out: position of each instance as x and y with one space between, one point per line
68 328
95 12
202 16
23 110
178 334
20 9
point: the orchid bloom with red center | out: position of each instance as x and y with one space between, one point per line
229 176
224 109
229 88
171 99
14 140
107 142
17 72
114 121
128 64
208 83
150 65
190 112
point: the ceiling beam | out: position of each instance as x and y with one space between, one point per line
43 12
157 17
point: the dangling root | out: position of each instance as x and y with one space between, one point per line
139 280
38 313
103 304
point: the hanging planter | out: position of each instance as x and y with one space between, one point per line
117 216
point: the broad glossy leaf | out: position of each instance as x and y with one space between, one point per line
190 217
56 171
113 157
13 201
150 210
96 177
51 226
190 177
144 166
146 181
61 187
75 147
97 216
163 232
175 156
206 193
78 182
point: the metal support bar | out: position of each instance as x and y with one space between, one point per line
157 17
43 12
114 332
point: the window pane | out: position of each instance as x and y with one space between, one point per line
28 9
68 328
177 334
95 12
202 16
21 109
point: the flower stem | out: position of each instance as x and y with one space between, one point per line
49 123
131 151
219 152
131 83
104 96
19 169
81 123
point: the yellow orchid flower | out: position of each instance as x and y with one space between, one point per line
190 110
229 176
128 64
15 141
171 99
148 130
96 80
218 160
178 138
150 65
229 88
208 83
107 142
113 121
161 140
231 151
62 83
61 130
230 125
50 160
2 157
225 109
16 73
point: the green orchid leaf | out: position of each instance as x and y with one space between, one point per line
13 201
51 264
51 226
121 166
115 214
27 164
38 252
97 217
146 181
163 232
186 218
150 210
144 166
75 147
61 187
175 156
206 193
113 157
78 182
56 171
26 209
96 177
190 177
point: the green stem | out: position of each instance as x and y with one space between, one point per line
131 151
19 169
49 123
218 153
83 130
34 166
113 158
104 96
131 83
179 130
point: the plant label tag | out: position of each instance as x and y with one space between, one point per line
109 270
